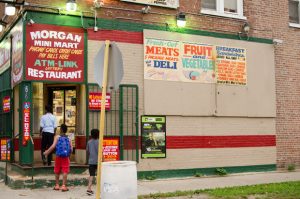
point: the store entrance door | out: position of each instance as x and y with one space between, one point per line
63 101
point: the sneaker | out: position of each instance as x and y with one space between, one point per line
89 192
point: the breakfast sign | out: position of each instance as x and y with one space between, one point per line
54 53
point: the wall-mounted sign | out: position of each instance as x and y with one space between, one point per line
153 137
54 53
5 148
17 53
111 149
231 65
184 61
162 3
4 55
6 104
26 122
95 101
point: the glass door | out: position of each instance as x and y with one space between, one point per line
63 101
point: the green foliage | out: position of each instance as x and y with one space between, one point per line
221 171
198 174
291 167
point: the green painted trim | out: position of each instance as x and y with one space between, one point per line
26 152
87 116
121 122
204 171
114 24
55 19
41 170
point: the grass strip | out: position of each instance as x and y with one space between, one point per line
285 190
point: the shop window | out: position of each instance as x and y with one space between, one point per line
5 105
294 13
225 8
38 106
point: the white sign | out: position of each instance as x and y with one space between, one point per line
162 3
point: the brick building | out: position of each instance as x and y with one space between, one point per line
218 93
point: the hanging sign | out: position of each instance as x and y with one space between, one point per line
54 53
95 101
26 122
162 3
4 55
111 149
153 137
5 149
6 104
17 53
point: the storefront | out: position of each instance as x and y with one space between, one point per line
187 101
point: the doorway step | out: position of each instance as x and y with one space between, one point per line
39 176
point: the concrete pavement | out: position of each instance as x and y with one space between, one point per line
156 186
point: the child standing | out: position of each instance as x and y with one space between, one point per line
63 147
92 149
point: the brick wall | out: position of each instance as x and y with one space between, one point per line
268 19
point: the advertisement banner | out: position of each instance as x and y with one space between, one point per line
26 122
184 61
231 65
162 3
17 54
153 137
6 104
198 64
4 55
161 59
95 101
5 149
54 53
111 149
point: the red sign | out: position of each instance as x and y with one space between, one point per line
6 104
26 122
5 149
111 149
95 101
54 53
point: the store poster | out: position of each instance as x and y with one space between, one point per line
26 113
231 65
111 149
54 53
17 54
153 137
183 61
161 3
161 59
5 149
4 55
26 122
198 63
95 101
6 104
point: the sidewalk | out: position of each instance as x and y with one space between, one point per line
156 186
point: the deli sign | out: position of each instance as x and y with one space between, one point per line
54 53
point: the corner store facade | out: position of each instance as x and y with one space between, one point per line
224 125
